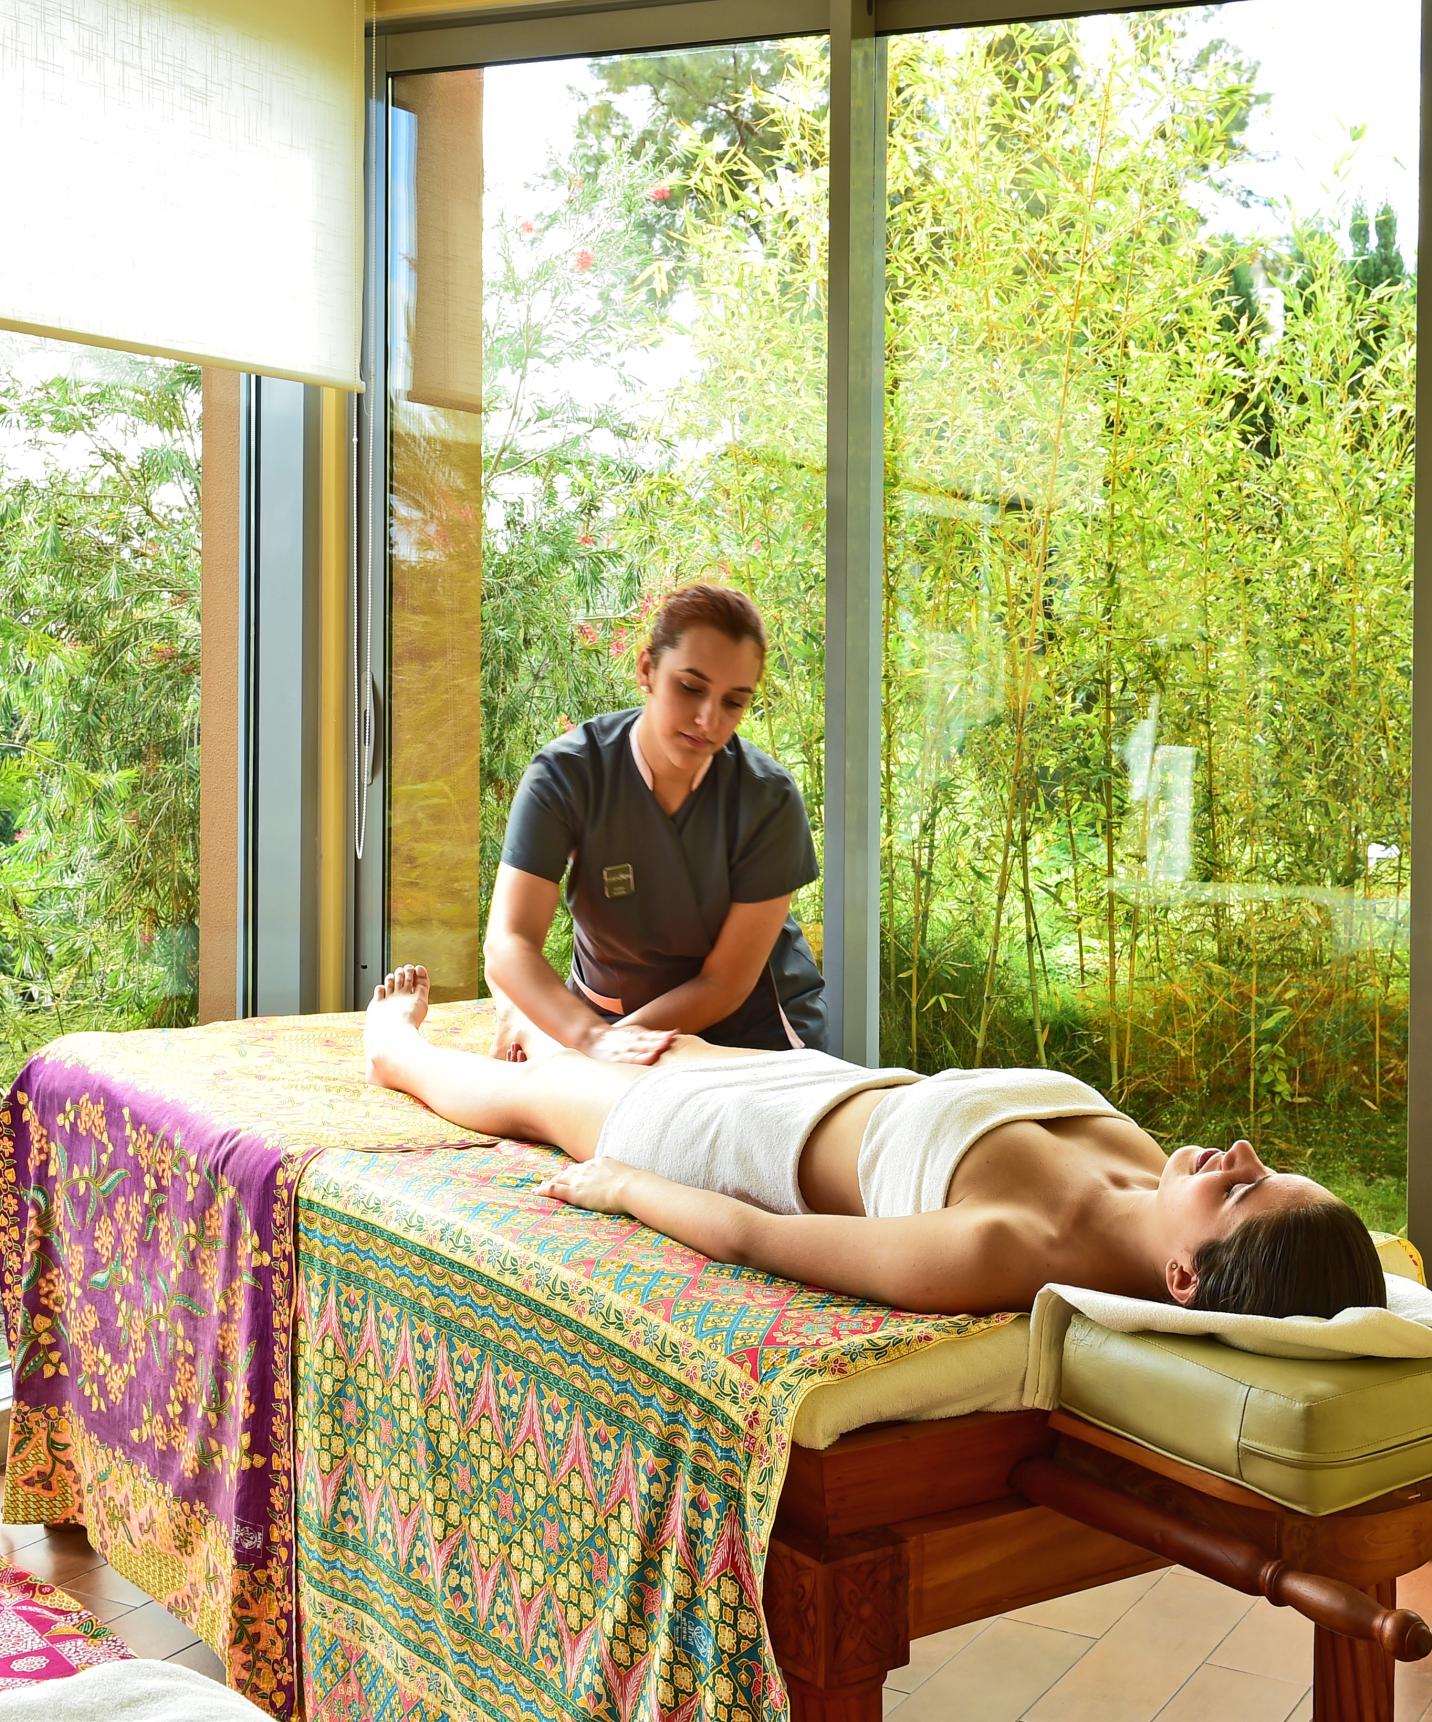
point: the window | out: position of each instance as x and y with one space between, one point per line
99 693
1147 654
646 277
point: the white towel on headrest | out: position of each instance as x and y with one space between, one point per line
1403 1329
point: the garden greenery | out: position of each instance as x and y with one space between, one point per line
1146 634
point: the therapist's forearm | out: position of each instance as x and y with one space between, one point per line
521 971
692 1006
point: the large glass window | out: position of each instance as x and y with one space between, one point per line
607 377
99 693
1149 419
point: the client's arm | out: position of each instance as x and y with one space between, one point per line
931 1263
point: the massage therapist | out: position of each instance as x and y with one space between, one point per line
685 844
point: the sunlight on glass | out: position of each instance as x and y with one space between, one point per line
1149 418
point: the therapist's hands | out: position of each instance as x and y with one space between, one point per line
617 1043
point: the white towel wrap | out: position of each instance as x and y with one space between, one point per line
917 1137
735 1125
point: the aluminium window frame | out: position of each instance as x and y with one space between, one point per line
276 962
855 29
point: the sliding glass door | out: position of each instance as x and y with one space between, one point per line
606 378
1148 572
1135 381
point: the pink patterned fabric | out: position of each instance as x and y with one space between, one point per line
45 1634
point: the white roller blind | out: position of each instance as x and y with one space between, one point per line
183 177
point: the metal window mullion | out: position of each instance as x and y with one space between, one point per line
246 909
1419 1036
899 17
577 33
279 936
370 873
854 504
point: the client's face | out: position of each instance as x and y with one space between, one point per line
1205 1193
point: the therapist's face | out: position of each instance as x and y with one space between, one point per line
697 692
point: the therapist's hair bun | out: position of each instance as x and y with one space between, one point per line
704 605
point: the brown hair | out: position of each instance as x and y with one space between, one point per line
703 605
1315 1259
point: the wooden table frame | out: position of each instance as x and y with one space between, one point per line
905 1529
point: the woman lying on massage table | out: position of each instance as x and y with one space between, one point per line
963 1192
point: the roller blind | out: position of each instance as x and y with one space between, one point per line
184 177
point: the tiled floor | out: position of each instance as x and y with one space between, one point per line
1169 1646
64 1557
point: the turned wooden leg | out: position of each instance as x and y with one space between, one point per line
837 1613
1352 1677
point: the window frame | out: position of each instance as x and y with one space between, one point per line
856 30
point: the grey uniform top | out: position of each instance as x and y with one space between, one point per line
649 890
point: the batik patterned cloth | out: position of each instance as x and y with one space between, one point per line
45 1634
541 1449
146 1211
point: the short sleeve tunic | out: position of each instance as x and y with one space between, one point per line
649 890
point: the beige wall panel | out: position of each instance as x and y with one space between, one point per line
219 661
434 697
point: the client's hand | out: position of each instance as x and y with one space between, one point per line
594 1184
619 1043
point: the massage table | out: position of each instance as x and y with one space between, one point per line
444 1447
1307 1484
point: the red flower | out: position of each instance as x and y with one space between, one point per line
660 194
585 538
565 722
528 227
588 632
584 260
161 653
619 642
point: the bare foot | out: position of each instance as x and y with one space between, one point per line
397 1009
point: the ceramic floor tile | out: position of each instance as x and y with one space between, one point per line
997 1676
56 1561
153 1631
14 1537
1414 1590
1413 1685
101 1607
1090 1612
1217 1694
106 1582
1138 1665
928 1654
1304 1711
198 1655
1276 1642
890 1700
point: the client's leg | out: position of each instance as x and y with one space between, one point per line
563 1099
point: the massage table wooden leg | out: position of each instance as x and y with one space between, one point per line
837 1614
1353 1678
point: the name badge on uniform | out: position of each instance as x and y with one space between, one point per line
619 881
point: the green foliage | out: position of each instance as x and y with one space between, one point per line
99 702
1146 648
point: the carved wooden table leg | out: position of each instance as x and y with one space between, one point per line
1352 1677
838 1617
